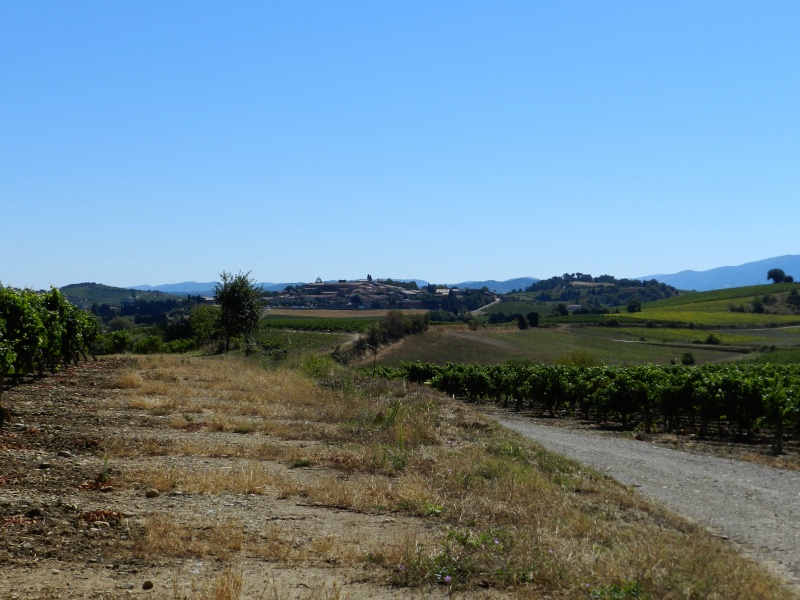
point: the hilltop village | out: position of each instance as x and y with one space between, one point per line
367 294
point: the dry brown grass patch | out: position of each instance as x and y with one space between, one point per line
239 477
164 536
128 380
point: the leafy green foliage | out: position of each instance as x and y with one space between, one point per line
745 396
41 331
776 275
240 303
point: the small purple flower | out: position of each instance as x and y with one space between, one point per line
447 579
496 541
402 567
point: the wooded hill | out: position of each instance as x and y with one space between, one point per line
596 292
83 295
580 294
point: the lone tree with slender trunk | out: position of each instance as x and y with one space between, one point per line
240 305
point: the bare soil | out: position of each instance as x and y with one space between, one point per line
74 523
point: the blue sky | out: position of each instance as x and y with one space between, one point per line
158 142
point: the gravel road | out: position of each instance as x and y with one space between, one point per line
755 505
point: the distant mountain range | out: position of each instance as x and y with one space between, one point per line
754 273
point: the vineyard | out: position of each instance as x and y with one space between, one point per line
327 324
735 399
41 331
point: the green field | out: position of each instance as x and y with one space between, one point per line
781 356
311 323
669 335
493 345
303 342
713 309
712 314
730 295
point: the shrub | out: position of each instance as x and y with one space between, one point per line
114 343
180 346
149 345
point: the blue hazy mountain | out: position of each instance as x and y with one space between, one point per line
753 273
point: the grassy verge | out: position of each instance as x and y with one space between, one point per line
495 511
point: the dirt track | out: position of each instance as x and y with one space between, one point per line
754 505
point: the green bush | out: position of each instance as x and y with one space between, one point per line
180 346
327 372
115 342
152 344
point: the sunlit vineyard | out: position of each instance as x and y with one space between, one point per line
734 398
40 332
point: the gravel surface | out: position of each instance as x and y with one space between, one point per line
755 505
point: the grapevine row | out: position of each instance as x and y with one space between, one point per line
740 398
41 331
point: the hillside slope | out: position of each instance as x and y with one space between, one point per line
754 273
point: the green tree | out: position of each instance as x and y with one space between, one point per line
204 319
240 305
776 275
634 306
533 318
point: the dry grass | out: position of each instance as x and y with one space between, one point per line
242 477
163 536
128 380
508 515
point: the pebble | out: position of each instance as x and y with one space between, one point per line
126 586
45 465
65 454
147 585
107 488
152 493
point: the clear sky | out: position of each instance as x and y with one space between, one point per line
154 142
